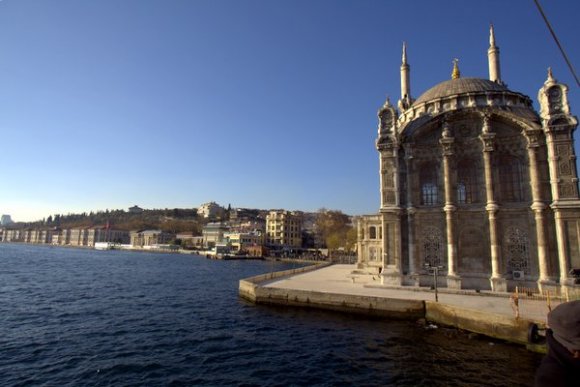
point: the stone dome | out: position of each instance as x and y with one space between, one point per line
459 86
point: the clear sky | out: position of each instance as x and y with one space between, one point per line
263 104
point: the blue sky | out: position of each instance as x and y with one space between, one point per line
263 104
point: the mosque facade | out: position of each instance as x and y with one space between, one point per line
475 182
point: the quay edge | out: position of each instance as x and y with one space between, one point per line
485 323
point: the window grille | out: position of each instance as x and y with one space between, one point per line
517 250
432 246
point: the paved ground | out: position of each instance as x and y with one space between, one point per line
339 279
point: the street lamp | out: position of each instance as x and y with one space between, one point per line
435 271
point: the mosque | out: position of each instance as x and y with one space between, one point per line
475 182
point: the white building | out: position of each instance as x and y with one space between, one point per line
210 210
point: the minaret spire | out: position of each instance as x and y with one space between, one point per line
405 100
493 58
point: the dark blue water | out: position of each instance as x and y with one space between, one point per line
85 317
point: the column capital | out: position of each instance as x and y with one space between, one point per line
447 145
486 127
533 138
488 140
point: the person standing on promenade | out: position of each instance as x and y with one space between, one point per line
561 366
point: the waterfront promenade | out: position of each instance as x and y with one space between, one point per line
339 279
344 288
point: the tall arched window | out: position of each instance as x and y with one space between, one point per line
429 185
467 182
510 179
372 232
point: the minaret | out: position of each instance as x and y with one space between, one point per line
405 101
493 58
559 125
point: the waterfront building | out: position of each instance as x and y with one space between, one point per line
213 234
284 229
241 241
78 237
148 238
476 182
64 237
210 210
11 235
190 239
106 234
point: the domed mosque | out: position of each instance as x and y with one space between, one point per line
475 183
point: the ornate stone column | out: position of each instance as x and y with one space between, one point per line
538 207
390 213
359 244
446 141
413 264
498 282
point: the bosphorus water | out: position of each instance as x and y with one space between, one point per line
85 317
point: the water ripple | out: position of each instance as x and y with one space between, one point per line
82 317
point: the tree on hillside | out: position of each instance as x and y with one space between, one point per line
333 227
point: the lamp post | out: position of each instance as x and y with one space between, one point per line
435 271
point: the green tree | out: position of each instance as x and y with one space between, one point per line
333 227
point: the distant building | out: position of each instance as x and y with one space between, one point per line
213 234
135 210
210 210
241 241
78 237
13 236
150 238
105 234
6 220
284 229
190 239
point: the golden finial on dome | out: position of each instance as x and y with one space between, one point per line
455 73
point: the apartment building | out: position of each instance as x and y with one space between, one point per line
284 229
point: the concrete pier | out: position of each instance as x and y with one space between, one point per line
343 288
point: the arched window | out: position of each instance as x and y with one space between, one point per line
510 179
429 186
467 182
372 232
